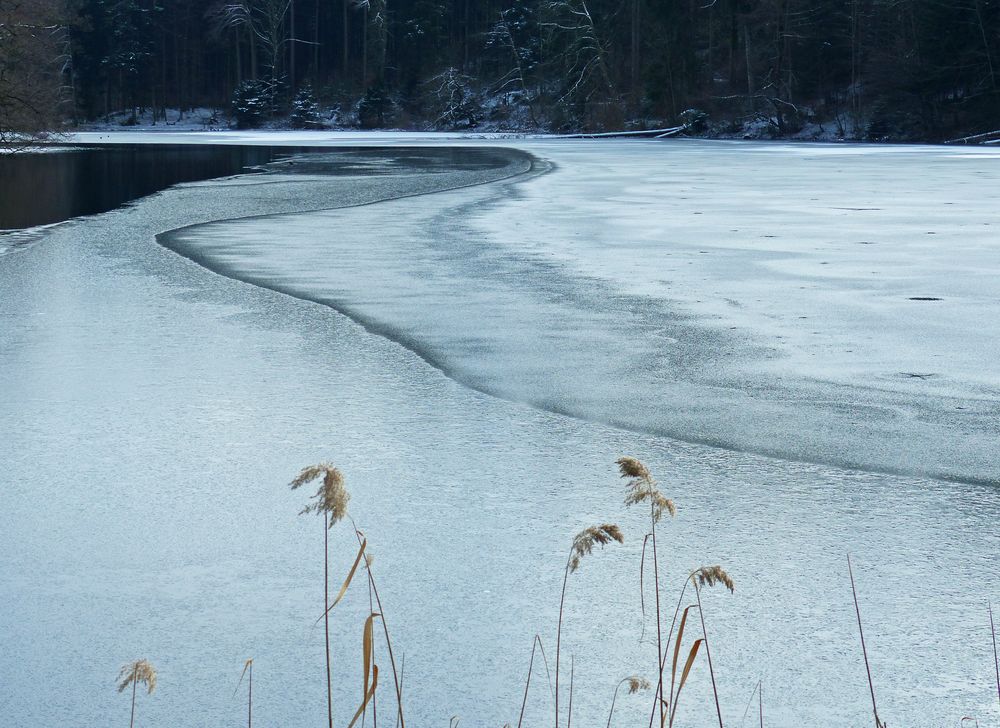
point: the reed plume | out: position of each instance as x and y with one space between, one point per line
712 575
635 684
640 487
133 673
331 500
588 538
583 544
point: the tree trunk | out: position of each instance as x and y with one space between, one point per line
345 40
291 45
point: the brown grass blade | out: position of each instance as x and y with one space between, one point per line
642 587
368 696
347 581
684 675
368 647
677 645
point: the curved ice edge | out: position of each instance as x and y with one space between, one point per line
531 167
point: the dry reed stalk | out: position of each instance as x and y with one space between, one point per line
641 488
133 673
569 712
635 684
704 576
583 544
247 666
671 702
385 628
864 649
537 642
708 653
369 668
996 660
331 500
684 676
347 581
758 690
642 585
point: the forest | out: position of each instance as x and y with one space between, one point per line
856 69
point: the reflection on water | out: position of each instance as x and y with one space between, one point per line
48 187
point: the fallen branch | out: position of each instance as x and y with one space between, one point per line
646 133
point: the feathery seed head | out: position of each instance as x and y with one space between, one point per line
138 672
712 575
331 498
636 683
641 488
584 542
633 468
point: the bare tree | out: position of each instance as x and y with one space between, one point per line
264 20
32 61
586 54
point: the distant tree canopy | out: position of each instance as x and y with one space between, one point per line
34 53
881 68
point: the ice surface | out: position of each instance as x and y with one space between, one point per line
153 412
832 304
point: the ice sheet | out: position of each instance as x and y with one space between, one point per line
153 412
822 303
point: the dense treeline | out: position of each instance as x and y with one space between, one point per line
875 68
33 60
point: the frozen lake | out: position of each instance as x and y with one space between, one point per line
801 341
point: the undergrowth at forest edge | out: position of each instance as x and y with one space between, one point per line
331 501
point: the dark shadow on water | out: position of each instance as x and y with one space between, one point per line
48 187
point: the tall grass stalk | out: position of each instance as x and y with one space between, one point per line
704 576
758 692
569 712
583 544
996 660
635 684
331 500
641 488
708 654
536 643
385 629
247 667
133 673
864 649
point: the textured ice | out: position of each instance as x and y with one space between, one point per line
833 304
152 413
